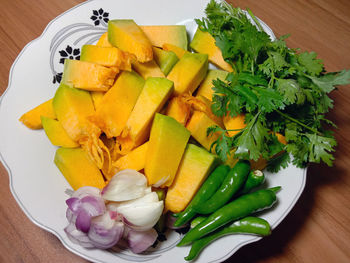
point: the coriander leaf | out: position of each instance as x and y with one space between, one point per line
269 99
292 132
291 91
275 123
225 99
327 82
232 77
213 129
267 67
251 143
300 152
274 63
278 60
274 145
279 44
218 107
228 51
324 103
320 148
223 144
276 163
249 97
253 41
312 65
309 96
248 78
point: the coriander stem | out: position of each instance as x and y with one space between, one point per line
298 122
234 130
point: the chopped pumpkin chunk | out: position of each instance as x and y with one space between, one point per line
198 125
206 87
209 112
178 109
78 169
117 104
32 120
56 133
133 160
107 56
204 43
72 107
234 124
281 138
128 36
151 100
148 69
173 34
97 97
177 50
87 75
201 103
188 73
195 166
167 144
165 59
103 41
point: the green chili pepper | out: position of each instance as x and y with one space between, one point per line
208 188
247 225
239 208
231 184
254 179
197 221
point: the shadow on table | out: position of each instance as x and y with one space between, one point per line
273 246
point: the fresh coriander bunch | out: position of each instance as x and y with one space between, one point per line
278 89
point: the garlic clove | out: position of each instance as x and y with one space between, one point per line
125 185
145 215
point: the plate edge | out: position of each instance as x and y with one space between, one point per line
52 231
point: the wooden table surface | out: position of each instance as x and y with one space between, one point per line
318 227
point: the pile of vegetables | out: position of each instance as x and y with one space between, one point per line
226 197
144 128
126 209
277 89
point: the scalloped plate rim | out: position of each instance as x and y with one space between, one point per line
54 232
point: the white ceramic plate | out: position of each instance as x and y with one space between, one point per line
36 183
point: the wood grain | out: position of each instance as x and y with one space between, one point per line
316 230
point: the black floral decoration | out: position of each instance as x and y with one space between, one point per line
100 20
98 16
57 78
70 53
